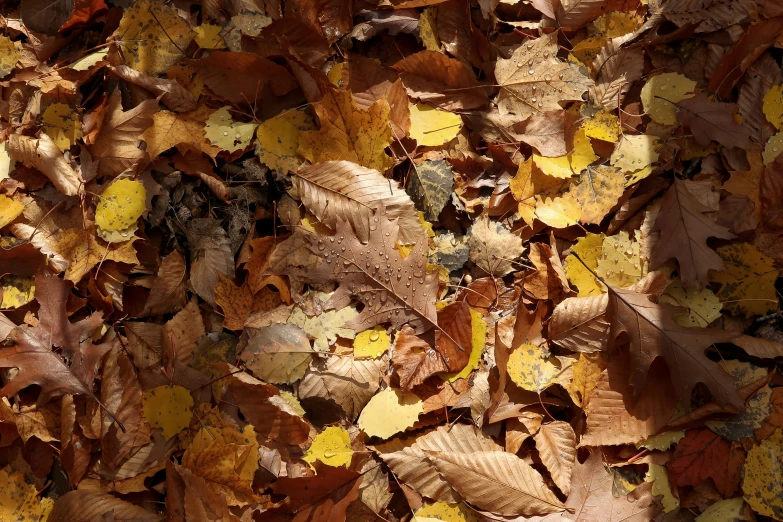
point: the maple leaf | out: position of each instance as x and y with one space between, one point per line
703 454
684 232
185 131
654 333
114 141
534 80
56 374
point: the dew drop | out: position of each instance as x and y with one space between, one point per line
225 133
534 99
547 77
374 336
560 75
531 71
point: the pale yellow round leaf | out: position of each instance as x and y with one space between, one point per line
222 131
389 412
332 447
121 204
661 93
530 369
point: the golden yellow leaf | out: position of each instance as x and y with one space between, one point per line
121 204
762 481
292 401
773 148
187 77
80 250
635 153
725 511
371 343
152 35
585 51
621 263
390 411
574 162
332 447
558 212
660 479
9 56
586 372
83 64
747 283
169 408
185 130
225 133
616 23
278 140
208 36
349 133
748 182
597 191
603 125
335 74
62 124
432 127
428 29
588 249
445 512
10 209
227 459
703 305
661 93
531 369
17 290
19 500
478 342
662 441
773 106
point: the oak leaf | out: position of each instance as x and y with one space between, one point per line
684 232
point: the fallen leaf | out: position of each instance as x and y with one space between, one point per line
46 156
430 186
432 127
712 121
747 281
389 412
62 125
701 455
169 408
493 248
277 140
332 447
278 354
225 133
556 444
662 92
597 191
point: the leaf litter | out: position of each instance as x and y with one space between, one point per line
420 260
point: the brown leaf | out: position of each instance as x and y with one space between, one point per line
703 454
181 333
615 68
116 144
414 359
771 194
556 444
493 248
347 381
324 496
168 288
345 191
235 301
171 93
592 498
198 500
210 255
33 354
496 481
455 339
86 505
580 324
684 232
242 78
548 280
762 75
434 77
44 155
712 121
551 133
654 333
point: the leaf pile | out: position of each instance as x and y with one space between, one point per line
458 260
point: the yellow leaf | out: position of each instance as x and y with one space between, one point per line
432 127
604 126
531 369
227 459
278 140
747 281
558 212
585 51
9 56
183 130
84 64
588 249
390 411
62 125
292 401
586 372
530 182
349 133
335 74
661 93
152 35
574 162
223 132
325 328
186 76
773 106
428 29
10 209
446 512
121 204
17 291
597 191
703 305
478 342
762 481
81 249
729 510
169 408
208 36
748 182
660 479
616 23
635 153
638 175
19 498
621 263
773 148
371 343
332 447
662 441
